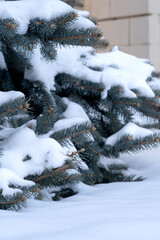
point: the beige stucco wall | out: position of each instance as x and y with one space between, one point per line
133 25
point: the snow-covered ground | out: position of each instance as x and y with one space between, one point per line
108 211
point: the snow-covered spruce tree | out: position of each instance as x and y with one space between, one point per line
66 113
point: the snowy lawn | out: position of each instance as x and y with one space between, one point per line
108 211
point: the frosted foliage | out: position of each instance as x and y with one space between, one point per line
5 97
118 68
68 61
2 62
25 10
123 69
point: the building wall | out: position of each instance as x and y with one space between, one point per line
133 25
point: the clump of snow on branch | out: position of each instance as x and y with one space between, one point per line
123 69
23 142
9 96
23 11
73 115
26 154
118 68
8 177
129 129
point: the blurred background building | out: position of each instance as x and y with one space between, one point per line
133 25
